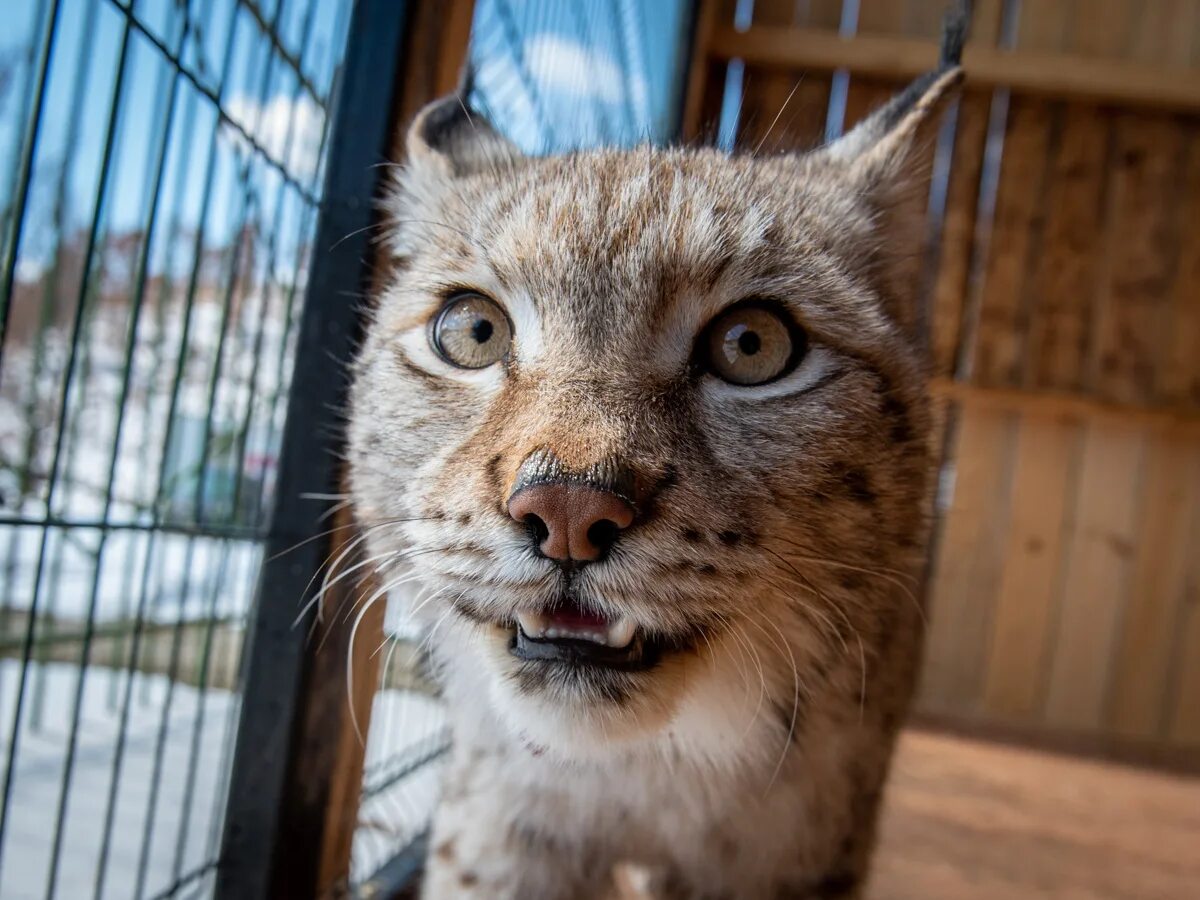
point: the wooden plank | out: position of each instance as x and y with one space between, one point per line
882 17
1142 236
923 18
1042 27
1178 374
1047 74
1064 285
438 36
1164 32
782 111
1001 336
825 14
1183 696
958 233
1183 726
1075 406
774 12
348 718
454 39
864 96
1165 543
706 79
1103 30
1099 563
968 565
1046 452
974 820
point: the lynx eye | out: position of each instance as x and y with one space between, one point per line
751 344
471 332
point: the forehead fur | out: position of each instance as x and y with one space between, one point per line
676 217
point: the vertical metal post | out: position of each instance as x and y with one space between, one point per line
278 797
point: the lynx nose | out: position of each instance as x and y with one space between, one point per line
571 521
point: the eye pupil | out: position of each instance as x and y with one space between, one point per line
482 331
749 342
471 331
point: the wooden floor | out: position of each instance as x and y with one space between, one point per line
975 821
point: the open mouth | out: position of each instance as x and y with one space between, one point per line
573 635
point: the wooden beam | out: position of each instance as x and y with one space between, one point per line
698 69
1114 81
334 724
439 36
1077 407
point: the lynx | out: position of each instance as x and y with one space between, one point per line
648 430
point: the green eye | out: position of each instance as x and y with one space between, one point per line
750 344
471 332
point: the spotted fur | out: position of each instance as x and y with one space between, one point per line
781 525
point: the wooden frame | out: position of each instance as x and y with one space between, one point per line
1071 77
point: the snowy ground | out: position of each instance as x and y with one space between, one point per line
166 805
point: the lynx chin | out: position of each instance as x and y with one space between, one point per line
646 431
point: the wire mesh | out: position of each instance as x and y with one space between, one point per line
161 166
561 75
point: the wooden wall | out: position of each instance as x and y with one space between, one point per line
1064 331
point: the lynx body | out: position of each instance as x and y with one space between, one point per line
646 433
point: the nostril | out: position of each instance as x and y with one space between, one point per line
603 534
537 528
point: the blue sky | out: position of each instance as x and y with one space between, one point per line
79 96
603 72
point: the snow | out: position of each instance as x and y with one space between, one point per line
195 729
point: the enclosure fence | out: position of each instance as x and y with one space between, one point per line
161 165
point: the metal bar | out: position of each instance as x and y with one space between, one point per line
256 355
245 532
397 873
143 595
422 756
101 192
198 722
23 177
265 809
197 503
173 889
296 63
198 496
122 398
215 97
225 769
512 37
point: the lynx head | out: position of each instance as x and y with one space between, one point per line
647 428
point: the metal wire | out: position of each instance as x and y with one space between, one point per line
558 76
153 245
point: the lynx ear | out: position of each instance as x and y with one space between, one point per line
892 140
888 160
882 144
448 140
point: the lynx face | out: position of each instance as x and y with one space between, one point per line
647 428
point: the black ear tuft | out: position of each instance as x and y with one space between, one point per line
954 34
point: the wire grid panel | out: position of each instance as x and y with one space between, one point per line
569 74
160 163
409 736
